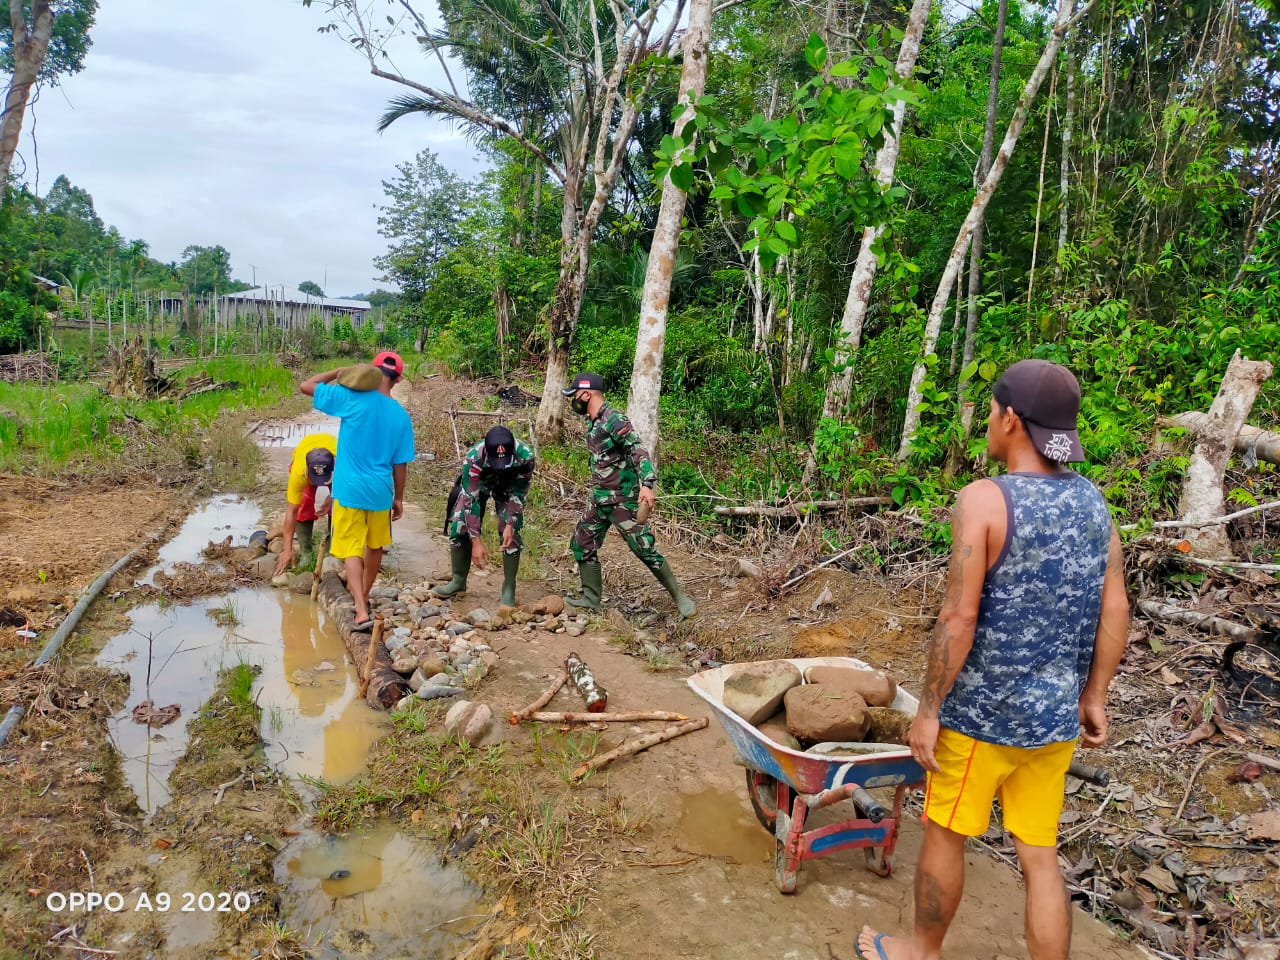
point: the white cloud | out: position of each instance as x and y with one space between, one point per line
234 122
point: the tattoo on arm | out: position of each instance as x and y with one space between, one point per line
941 655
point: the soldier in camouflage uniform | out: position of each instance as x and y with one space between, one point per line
622 479
498 467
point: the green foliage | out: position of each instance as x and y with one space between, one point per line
778 171
68 43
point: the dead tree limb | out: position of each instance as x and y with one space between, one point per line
1226 518
623 716
638 745
543 699
1194 618
1179 552
1202 485
1263 444
799 509
371 654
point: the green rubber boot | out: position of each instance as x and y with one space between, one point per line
510 567
305 533
460 561
666 576
592 587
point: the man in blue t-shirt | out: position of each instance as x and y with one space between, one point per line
369 475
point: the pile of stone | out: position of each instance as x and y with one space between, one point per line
826 709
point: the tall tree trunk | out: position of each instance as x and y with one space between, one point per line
1064 167
984 168
30 45
1065 20
566 305
864 270
646 370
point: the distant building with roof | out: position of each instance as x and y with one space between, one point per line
288 307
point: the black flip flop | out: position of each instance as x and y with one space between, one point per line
363 627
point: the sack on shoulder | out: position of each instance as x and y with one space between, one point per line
360 376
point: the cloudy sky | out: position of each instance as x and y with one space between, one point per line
234 122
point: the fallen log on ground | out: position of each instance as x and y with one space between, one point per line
385 687
1194 618
801 508
622 716
543 699
1263 444
638 745
596 696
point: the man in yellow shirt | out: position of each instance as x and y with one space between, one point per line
311 467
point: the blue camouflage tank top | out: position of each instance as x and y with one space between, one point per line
1020 685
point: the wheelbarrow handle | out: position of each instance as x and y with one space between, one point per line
868 804
1084 771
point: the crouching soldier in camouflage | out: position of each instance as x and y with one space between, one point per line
498 467
622 479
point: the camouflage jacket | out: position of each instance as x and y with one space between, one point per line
478 478
619 464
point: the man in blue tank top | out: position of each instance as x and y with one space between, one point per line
1033 626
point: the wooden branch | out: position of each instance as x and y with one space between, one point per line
1194 618
1179 548
1263 444
825 563
385 686
370 657
632 747
321 551
799 509
1176 524
543 699
1263 760
622 716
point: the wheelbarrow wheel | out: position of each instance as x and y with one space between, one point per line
762 789
877 862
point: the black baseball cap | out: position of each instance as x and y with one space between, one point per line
584 381
500 448
319 467
1046 397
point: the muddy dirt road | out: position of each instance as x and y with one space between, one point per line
222 800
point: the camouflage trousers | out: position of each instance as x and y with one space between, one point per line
456 530
588 537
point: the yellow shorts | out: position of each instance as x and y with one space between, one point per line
1030 783
354 530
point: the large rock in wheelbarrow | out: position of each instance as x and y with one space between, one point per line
874 686
818 712
755 691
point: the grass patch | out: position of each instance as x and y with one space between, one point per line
76 427
224 736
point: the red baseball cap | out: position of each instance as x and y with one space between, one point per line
389 362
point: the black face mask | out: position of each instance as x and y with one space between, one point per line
578 405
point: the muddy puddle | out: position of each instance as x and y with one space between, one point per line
715 825
377 894
313 721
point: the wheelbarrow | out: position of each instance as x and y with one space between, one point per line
786 785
